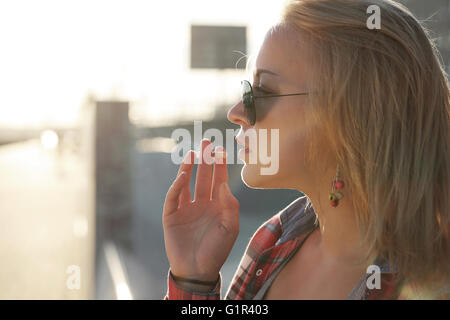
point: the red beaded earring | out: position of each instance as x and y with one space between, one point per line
337 184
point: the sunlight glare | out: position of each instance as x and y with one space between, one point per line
49 139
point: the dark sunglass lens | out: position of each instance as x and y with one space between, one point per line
247 100
246 88
246 93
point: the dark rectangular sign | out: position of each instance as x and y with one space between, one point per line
218 47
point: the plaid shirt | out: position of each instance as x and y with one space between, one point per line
272 245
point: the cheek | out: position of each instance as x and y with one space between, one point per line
294 138
276 115
292 142
286 162
288 120
264 107
292 148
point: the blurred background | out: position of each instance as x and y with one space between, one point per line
90 93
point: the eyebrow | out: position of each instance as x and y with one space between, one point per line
259 71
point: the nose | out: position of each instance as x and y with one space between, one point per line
237 115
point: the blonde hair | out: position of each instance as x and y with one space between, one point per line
383 97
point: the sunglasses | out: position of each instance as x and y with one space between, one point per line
248 99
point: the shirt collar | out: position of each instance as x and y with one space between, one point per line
299 218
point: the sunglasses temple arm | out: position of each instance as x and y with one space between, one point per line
280 95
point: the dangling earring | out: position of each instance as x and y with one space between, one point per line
337 184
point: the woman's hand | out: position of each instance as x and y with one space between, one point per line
200 234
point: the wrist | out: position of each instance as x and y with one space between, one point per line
190 284
197 281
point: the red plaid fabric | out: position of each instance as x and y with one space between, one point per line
270 245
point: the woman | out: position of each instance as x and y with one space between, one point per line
365 138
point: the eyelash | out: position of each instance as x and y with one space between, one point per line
260 89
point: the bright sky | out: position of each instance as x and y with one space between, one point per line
54 52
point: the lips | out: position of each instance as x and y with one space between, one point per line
239 141
242 144
242 154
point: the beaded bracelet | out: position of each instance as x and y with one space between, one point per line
205 283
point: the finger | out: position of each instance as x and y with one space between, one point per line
220 173
230 207
204 172
186 166
188 162
171 202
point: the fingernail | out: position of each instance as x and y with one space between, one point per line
220 155
219 152
188 157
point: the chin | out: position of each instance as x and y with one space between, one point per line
252 178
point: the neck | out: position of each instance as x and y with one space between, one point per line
337 238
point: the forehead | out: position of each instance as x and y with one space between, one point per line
283 52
